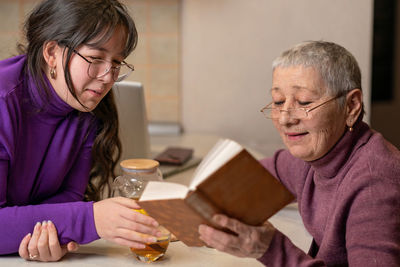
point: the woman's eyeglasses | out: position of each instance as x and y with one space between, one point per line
271 112
99 68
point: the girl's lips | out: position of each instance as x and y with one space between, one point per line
95 92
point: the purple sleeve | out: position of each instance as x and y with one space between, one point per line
282 252
74 222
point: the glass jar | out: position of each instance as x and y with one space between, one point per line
135 175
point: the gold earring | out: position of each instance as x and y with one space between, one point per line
351 129
53 73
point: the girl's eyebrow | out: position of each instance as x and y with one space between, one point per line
102 49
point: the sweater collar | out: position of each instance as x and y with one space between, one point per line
50 105
329 165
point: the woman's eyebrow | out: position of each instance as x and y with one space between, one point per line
274 89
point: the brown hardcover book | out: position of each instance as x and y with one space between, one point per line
229 180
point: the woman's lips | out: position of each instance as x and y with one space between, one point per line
295 136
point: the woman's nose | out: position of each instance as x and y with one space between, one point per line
286 117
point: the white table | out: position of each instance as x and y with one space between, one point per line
103 253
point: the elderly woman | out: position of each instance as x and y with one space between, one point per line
345 176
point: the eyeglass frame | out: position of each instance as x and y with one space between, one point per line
130 66
306 110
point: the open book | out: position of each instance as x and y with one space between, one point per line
228 180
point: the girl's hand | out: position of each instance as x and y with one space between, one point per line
250 241
116 221
43 244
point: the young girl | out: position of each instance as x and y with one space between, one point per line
59 132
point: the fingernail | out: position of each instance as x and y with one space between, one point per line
37 225
29 234
44 223
49 222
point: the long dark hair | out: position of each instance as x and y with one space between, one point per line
72 23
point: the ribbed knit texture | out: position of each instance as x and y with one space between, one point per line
45 159
349 201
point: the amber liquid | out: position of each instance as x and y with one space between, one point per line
152 251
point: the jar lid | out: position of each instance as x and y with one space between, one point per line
139 164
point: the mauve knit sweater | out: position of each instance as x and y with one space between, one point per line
45 159
349 201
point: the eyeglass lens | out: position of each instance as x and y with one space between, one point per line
274 113
296 113
99 68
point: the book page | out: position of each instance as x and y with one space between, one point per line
221 153
163 190
210 156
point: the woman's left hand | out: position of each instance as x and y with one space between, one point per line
43 244
251 241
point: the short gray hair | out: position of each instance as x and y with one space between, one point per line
337 66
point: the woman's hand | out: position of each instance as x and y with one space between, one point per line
251 241
43 244
116 221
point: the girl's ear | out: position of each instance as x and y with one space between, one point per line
50 53
353 106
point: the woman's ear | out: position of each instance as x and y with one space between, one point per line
50 53
354 106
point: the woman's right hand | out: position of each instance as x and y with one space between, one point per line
116 221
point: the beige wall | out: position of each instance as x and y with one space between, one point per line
228 47
156 58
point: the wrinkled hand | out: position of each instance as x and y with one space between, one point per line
43 244
116 221
251 241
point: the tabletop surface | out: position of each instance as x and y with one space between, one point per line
104 253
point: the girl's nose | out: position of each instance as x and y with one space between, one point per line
108 77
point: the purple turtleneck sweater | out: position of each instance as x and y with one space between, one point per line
45 159
349 201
